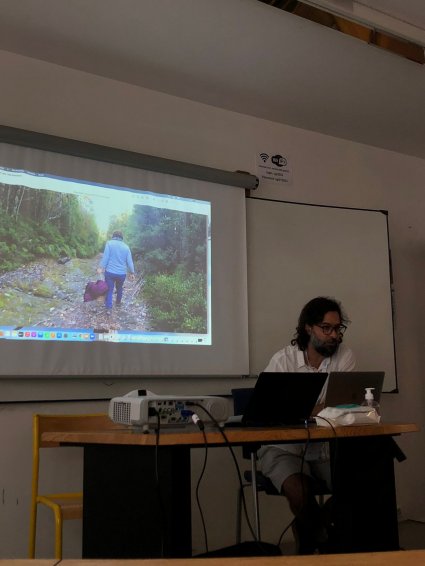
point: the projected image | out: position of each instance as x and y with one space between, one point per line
82 261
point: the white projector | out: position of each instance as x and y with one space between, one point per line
144 408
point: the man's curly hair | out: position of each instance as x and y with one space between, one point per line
313 313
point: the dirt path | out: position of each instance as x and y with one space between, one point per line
50 294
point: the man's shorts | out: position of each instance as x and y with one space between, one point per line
278 462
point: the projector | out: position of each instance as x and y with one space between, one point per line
144 408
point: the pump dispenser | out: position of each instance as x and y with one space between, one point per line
369 401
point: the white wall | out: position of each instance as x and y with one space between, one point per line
55 100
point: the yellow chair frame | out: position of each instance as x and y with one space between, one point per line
63 505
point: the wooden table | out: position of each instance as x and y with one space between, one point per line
238 436
137 489
399 558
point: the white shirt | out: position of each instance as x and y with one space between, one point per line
291 358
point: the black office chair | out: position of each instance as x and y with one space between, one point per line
253 477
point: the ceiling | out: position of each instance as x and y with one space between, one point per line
242 55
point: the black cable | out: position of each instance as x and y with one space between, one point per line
285 530
333 466
306 444
163 516
302 464
201 427
335 449
229 446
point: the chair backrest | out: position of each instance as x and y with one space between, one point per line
241 397
64 505
60 423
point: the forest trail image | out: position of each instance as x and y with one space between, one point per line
51 245
49 294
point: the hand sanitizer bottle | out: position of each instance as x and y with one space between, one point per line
369 401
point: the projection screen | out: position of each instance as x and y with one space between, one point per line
183 313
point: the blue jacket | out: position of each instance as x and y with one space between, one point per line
117 257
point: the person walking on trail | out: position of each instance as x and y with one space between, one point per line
116 262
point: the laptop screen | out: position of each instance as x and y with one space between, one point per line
283 398
348 387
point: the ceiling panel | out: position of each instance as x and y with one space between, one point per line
242 55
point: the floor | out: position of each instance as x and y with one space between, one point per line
411 537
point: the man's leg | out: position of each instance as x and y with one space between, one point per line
119 283
293 474
109 279
309 527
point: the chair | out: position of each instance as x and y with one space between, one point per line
254 478
63 505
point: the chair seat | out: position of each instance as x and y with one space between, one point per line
263 482
70 504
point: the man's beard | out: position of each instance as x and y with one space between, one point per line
325 348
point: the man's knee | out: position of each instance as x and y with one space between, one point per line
297 489
295 483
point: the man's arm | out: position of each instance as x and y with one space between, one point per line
130 264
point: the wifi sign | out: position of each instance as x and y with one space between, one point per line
264 157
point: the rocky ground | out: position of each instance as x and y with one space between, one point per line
50 294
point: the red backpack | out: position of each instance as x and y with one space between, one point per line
94 290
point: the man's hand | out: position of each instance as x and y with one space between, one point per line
99 270
132 276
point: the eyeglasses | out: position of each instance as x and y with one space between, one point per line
327 329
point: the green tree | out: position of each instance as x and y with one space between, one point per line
40 223
171 246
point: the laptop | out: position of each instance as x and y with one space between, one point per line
281 399
348 387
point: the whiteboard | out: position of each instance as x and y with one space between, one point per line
300 251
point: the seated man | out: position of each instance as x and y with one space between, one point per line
293 469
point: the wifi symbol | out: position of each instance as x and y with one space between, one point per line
264 157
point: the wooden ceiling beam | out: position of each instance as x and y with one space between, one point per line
402 47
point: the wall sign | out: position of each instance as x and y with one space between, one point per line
273 168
